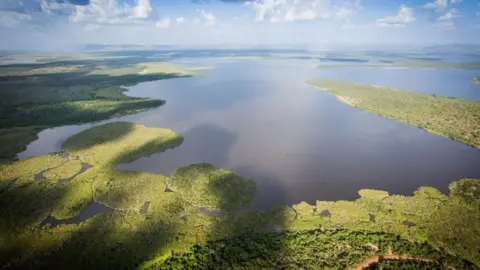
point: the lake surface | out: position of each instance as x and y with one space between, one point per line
260 120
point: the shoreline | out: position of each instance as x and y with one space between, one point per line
382 95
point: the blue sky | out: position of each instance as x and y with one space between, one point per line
63 24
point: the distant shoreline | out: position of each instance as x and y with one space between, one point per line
448 117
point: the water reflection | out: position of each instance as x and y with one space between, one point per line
260 120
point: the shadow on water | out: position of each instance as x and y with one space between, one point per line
205 143
245 240
124 239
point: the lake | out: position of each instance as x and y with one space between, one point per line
260 120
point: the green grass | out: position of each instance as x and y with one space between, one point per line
119 142
205 186
172 233
126 238
127 190
15 140
449 117
66 170
27 168
65 90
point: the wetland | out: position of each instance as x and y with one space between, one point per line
144 164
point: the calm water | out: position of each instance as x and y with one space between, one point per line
260 120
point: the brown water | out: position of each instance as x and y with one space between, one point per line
260 120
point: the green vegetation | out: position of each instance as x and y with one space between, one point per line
311 249
69 91
476 80
152 228
64 171
372 229
204 186
102 147
76 112
448 117
15 140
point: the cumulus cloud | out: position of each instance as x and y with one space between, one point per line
111 12
404 16
448 15
207 17
303 10
437 4
180 20
11 18
52 7
445 22
164 23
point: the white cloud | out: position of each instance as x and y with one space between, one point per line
142 10
207 17
303 10
52 6
437 4
456 1
11 18
111 12
164 23
404 16
444 25
448 15
180 20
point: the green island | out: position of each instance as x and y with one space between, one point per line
448 117
65 90
156 222
477 80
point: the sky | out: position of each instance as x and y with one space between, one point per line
67 24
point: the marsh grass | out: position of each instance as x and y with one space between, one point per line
172 233
312 241
453 118
201 185
15 140
127 190
69 91
27 168
119 142
66 170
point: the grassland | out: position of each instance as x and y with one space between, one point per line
203 184
449 117
431 227
65 91
14 140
